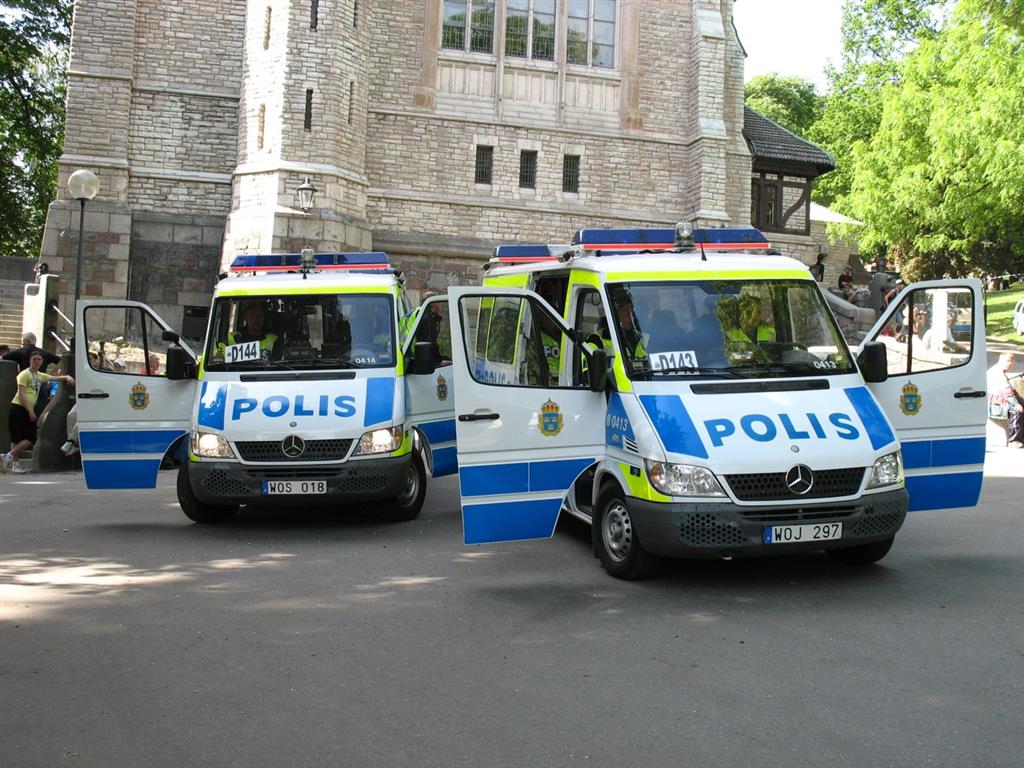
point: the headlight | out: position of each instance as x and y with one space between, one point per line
683 480
381 440
210 446
888 470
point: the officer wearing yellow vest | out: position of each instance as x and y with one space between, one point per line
743 323
632 339
252 330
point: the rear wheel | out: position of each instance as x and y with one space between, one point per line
865 554
407 505
196 510
616 541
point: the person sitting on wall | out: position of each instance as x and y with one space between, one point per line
845 283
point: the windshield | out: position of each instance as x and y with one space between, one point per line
763 328
302 332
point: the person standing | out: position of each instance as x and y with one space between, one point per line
23 410
28 346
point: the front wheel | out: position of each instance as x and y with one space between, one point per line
196 510
407 505
865 554
616 541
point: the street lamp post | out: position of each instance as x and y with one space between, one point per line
305 194
82 185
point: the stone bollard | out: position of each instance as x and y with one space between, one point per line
52 429
8 388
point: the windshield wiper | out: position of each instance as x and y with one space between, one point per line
777 368
696 369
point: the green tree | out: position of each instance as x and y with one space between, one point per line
940 179
792 102
34 36
877 34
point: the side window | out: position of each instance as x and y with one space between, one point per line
125 340
589 319
433 326
524 342
552 290
930 330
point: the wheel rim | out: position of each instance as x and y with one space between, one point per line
412 487
617 532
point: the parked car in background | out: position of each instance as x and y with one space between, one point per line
1018 317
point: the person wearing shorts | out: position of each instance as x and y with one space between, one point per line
23 410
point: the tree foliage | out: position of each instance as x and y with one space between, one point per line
792 102
34 36
940 180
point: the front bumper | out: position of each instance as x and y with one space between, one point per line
724 529
228 482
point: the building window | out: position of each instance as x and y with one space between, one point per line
355 14
351 98
266 27
260 123
530 29
571 174
314 13
484 164
590 37
780 203
528 169
307 121
468 25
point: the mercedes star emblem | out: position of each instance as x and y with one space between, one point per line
293 446
800 479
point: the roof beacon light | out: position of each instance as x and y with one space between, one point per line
684 234
309 260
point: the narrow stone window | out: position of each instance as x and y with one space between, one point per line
261 122
351 98
571 174
307 122
314 13
266 27
355 14
528 169
484 164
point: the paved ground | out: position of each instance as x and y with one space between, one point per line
131 637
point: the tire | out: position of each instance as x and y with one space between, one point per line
196 510
409 503
865 554
615 539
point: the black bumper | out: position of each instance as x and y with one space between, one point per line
216 482
724 529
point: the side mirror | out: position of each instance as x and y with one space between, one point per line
170 336
424 357
180 364
873 362
598 367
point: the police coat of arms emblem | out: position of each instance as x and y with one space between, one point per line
551 419
139 397
910 400
442 388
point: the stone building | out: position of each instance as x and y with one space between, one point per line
431 129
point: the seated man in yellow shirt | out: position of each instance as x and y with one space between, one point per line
23 410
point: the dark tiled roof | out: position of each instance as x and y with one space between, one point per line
770 141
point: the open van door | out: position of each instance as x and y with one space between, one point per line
430 393
524 434
934 335
129 412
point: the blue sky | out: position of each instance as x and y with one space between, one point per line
791 37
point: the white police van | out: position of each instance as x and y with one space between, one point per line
306 391
691 395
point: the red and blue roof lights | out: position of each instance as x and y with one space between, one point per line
288 262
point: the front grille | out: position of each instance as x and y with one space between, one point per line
294 473
797 515
220 482
706 529
363 483
879 520
771 486
270 451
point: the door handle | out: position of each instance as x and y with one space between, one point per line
970 393
479 416
92 395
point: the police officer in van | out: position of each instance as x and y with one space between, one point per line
253 329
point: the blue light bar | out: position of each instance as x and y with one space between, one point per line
608 239
730 237
365 260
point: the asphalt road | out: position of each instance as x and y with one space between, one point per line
131 637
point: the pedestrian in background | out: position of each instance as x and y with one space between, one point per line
23 411
28 346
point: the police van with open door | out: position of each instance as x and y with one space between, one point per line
304 392
691 395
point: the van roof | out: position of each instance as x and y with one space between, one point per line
295 282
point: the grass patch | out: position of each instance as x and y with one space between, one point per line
999 314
